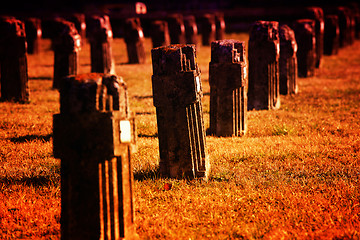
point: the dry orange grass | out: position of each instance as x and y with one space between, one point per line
295 175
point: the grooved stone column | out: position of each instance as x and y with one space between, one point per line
331 35
288 61
306 41
94 135
66 52
100 37
134 39
159 33
13 61
264 52
177 94
228 79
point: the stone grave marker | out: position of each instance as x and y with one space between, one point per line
94 136
134 39
13 61
101 39
288 61
228 81
263 55
66 48
306 41
177 95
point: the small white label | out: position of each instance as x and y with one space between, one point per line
197 78
110 34
125 131
277 48
141 34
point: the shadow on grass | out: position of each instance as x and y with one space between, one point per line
147 174
155 135
36 181
144 113
31 137
40 78
142 97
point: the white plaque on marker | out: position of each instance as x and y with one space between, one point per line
125 131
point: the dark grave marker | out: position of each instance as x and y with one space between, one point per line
177 95
191 30
13 61
134 39
100 38
176 28
220 26
94 136
345 24
306 41
228 80
33 34
331 34
317 14
208 28
288 61
263 54
79 21
159 33
66 51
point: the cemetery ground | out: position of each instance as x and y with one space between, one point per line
296 174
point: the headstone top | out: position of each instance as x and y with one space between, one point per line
93 92
11 27
228 50
264 30
168 60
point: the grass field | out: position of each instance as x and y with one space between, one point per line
295 175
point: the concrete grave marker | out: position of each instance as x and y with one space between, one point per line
94 136
228 81
264 53
177 95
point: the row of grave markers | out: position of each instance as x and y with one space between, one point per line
331 32
94 133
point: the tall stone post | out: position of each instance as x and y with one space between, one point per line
288 61
134 39
331 35
191 30
100 38
306 41
177 94
317 14
159 33
176 28
13 61
263 54
94 136
66 52
33 34
228 80
208 28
